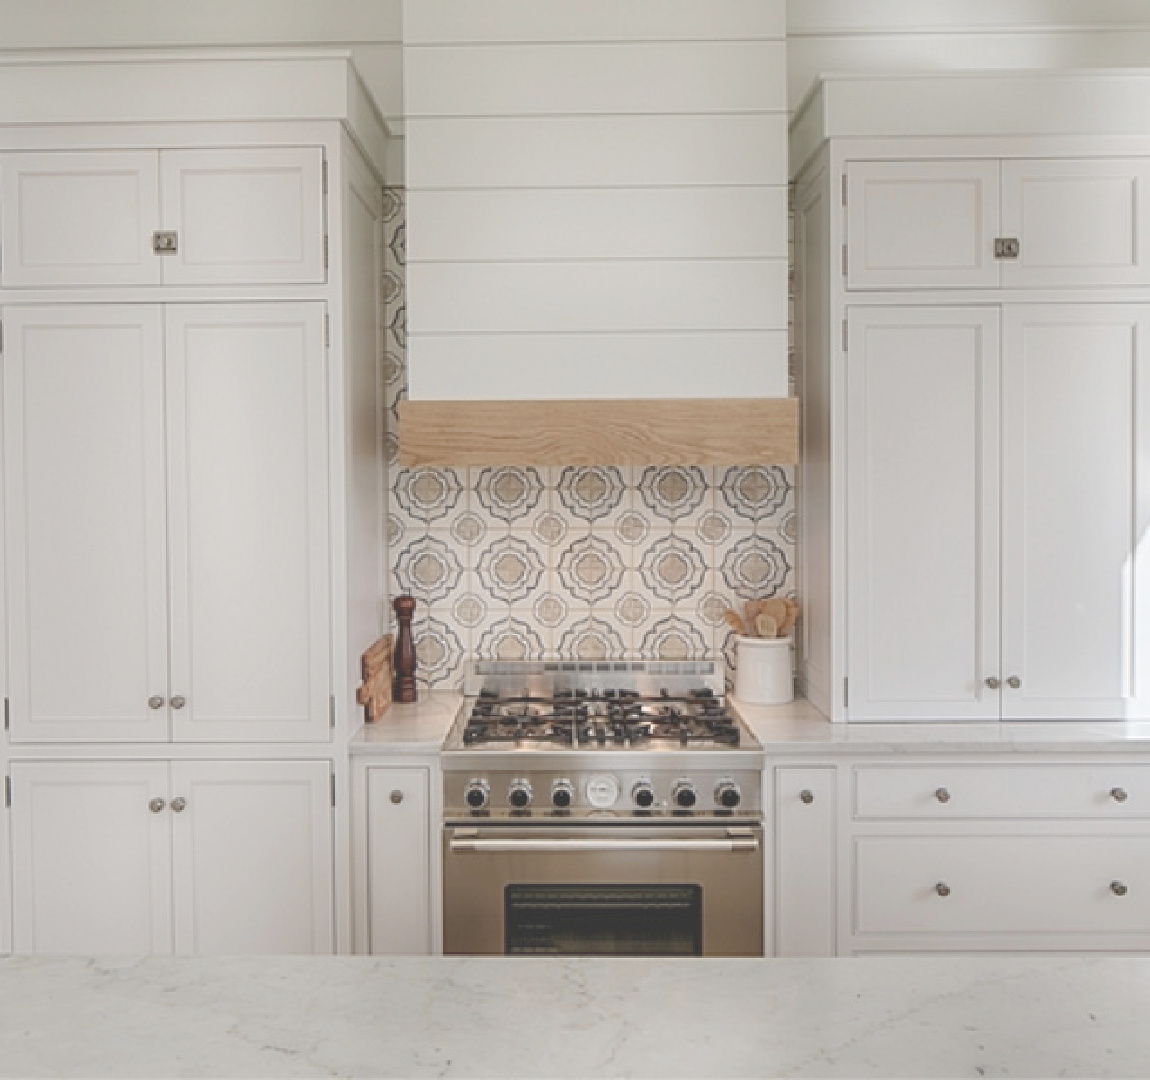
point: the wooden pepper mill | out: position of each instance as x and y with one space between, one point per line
404 688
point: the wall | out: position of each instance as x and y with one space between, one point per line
370 28
838 36
597 198
573 563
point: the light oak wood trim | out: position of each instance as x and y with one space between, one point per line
732 431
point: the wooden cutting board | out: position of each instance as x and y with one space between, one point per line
376 666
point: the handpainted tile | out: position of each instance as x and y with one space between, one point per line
754 566
510 568
592 493
673 569
590 571
506 495
439 652
670 635
514 637
756 493
676 494
428 495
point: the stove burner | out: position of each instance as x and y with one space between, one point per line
614 719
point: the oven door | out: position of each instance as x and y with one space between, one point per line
604 889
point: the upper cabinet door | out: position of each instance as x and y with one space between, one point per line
918 224
1069 581
244 216
247 463
1077 222
79 218
922 513
84 517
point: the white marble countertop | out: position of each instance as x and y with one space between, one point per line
410 729
500 1017
798 728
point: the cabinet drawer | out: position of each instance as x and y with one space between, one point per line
983 884
942 792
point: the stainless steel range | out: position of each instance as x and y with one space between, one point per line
610 808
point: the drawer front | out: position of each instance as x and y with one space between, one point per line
942 792
983 884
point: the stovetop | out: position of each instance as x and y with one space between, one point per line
599 719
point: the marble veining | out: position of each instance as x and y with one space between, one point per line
366 1017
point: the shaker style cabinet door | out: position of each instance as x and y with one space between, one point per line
922 224
243 216
82 218
398 853
84 518
1072 376
91 847
247 482
922 491
252 857
1078 222
805 862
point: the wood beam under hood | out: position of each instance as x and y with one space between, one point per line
669 431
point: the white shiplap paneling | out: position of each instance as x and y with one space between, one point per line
554 80
590 223
465 21
578 297
541 367
596 151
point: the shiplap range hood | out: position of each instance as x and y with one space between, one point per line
596 233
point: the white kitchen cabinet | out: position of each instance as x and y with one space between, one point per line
398 872
137 857
196 599
991 508
91 858
985 223
252 857
806 861
921 223
219 216
79 218
922 406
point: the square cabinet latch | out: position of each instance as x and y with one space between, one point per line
165 242
1006 247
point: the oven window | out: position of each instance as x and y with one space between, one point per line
604 920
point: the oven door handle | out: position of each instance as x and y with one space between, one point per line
605 844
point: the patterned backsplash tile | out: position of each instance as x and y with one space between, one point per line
573 563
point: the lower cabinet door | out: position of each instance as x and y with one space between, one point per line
252 857
91 847
398 853
1010 885
805 877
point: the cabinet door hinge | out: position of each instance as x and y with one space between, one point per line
326 330
844 260
333 789
325 248
331 711
846 692
323 174
844 189
7 713
844 335
7 791
1 337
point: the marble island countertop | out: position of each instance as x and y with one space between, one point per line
359 1016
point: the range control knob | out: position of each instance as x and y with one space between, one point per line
519 794
477 793
683 794
643 794
727 794
562 794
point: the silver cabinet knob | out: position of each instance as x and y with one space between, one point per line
942 795
179 702
1119 888
1118 794
178 804
156 805
396 797
807 796
942 888
155 702
1014 682
993 682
